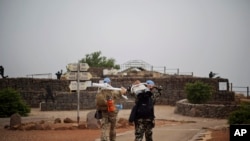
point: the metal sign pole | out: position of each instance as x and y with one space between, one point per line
78 93
247 92
78 72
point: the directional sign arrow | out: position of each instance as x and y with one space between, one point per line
82 85
73 85
85 76
82 76
71 75
72 67
84 67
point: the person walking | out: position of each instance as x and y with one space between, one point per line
106 100
142 114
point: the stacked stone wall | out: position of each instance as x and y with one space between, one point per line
68 101
173 87
204 110
32 84
33 91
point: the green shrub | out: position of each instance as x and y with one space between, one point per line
241 116
11 102
198 92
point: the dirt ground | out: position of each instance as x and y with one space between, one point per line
85 134
219 135
62 135
68 134
53 135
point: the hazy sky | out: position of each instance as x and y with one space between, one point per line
199 36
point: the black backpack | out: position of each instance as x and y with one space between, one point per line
144 106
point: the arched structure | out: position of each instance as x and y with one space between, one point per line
135 64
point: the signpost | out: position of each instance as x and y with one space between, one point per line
82 85
78 72
84 67
85 76
71 75
74 67
82 76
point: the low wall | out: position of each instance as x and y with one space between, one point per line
33 90
183 107
68 101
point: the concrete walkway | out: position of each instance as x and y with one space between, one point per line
190 131
179 132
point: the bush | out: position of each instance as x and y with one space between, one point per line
241 116
198 92
11 102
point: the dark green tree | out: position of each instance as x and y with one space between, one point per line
11 103
96 60
198 92
241 115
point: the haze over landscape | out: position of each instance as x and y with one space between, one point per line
194 36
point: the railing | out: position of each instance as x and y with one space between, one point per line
172 71
148 67
49 75
240 89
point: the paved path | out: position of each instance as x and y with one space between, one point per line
178 132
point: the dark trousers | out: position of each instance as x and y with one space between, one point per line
144 126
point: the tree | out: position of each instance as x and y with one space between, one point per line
198 92
241 115
96 60
11 103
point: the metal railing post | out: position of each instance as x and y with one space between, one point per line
247 92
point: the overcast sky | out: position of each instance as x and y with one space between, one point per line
199 36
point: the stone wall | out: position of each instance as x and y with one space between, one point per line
32 84
68 101
173 87
204 110
33 90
